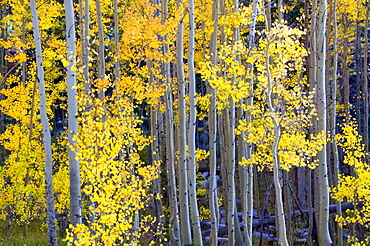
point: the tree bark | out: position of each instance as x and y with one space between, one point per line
333 118
194 213
101 47
174 227
155 148
182 161
117 66
212 129
280 222
322 190
366 82
49 192
74 165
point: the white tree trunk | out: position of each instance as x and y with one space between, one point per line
101 59
174 227
280 217
194 213
74 165
333 117
182 161
155 148
229 124
49 194
366 83
117 68
322 169
248 189
212 129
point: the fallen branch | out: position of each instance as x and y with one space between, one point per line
270 220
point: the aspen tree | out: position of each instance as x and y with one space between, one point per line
23 37
85 50
231 141
226 125
322 189
52 233
353 188
286 111
227 141
158 206
333 116
312 78
345 94
302 189
174 227
24 193
182 160
2 86
101 47
212 128
280 217
117 72
74 166
358 69
268 20
190 138
366 81
285 174
85 42
248 186
280 11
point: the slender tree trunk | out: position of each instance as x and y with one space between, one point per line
212 129
229 126
101 58
23 38
194 213
49 194
2 86
328 94
174 227
232 140
182 162
117 67
322 195
280 217
333 118
280 11
155 145
268 4
85 42
302 186
345 96
288 206
310 208
248 191
358 72
74 165
366 83
313 84
174 211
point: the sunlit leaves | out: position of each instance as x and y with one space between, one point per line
293 107
353 188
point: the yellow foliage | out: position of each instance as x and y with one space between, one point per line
353 188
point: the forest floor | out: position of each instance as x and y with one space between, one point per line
36 235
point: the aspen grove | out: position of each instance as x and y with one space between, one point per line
171 122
